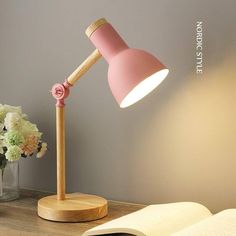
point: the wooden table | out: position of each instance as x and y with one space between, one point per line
20 217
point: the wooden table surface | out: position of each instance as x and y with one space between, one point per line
19 217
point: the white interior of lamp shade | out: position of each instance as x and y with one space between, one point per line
144 88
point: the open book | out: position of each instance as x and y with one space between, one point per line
173 219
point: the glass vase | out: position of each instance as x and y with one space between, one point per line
9 181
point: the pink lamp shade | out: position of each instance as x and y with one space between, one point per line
132 73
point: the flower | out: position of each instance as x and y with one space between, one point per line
30 145
42 150
1 144
29 128
18 136
1 127
13 121
13 109
3 112
13 153
13 138
4 109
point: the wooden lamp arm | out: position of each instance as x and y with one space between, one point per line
60 92
84 67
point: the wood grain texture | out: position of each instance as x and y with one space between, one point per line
76 207
19 218
60 127
84 67
94 26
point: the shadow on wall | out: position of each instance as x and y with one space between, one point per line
194 138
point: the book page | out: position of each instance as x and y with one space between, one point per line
221 224
155 220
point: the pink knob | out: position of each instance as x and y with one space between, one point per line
60 92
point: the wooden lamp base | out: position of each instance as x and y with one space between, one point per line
76 207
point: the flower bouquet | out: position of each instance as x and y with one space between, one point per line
18 138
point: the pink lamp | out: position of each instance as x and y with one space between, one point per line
132 74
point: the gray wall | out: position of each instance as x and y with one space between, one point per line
177 144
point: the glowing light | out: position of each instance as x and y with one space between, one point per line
144 88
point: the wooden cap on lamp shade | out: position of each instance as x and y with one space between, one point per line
91 28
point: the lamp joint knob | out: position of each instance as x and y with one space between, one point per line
60 92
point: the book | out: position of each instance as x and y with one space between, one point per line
172 219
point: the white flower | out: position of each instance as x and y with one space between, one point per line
42 150
3 113
13 109
13 121
13 153
1 146
4 109
1 127
30 129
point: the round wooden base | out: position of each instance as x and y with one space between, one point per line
77 207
